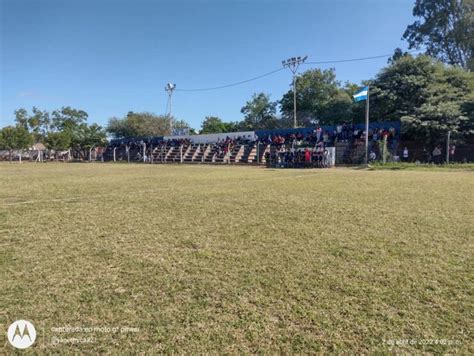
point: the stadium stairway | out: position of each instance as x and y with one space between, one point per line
201 152
210 154
249 153
173 154
159 154
236 153
188 155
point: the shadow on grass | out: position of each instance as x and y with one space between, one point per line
422 167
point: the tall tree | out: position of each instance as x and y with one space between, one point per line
429 97
58 141
446 30
37 123
397 54
319 96
86 137
142 124
15 138
68 118
259 113
66 128
213 124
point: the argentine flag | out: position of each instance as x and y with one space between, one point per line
361 94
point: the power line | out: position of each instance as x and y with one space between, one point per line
234 84
357 59
282 67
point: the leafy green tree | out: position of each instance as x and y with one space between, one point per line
58 140
142 124
68 118
213 124
259 113
446 30
319 96
38 123
15 138
84 137
397 54
429 97
119 128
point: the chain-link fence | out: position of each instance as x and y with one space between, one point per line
414 151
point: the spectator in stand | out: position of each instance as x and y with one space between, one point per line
437 155
375 135
391 131
372 156
452 150
325 137
426 155
314 156
355 133
405 154
371 134
307 156
320 147
339 132
318 132
345 132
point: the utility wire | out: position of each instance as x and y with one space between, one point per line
281 68
234 84
357 59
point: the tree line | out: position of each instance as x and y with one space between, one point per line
61 130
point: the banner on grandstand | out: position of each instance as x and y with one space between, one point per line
180 132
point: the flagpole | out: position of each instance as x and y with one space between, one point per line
367 127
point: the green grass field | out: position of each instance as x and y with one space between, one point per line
237 259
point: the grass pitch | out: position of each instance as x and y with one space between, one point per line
192 259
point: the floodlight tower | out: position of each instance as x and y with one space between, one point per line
169 88
293 63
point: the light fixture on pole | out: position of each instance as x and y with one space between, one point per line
169 88
293 63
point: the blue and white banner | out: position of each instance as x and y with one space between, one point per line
362 94
180 132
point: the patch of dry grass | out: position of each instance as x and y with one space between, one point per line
238 259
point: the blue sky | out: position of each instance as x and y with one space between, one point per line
110 57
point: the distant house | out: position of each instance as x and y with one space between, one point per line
38 147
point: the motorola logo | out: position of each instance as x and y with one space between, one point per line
21 334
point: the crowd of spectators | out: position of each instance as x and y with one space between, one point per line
221 147
298 158
341 133
287 144
176 142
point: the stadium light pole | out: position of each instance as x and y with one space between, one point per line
293 63
169 88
